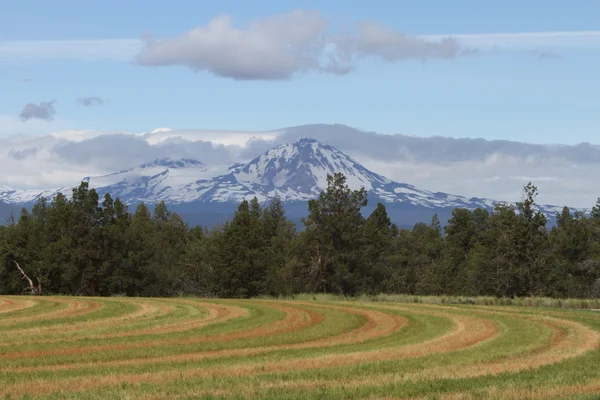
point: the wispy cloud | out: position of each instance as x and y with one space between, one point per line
528 40
126 49
547 55
80 50
90 101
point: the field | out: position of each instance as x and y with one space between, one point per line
130 348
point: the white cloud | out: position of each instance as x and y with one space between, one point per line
77 135
223 137
274 48
285 44
63 158
559 182
30 162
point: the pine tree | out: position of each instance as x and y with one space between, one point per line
195 273
241 273
81 274
333 231
596 210
377 241
169 243
161 213
137 273
279 234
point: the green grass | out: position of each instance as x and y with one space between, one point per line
583 304
306 347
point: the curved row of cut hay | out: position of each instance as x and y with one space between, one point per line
190 348
11 305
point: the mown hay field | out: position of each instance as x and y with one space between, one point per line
137 348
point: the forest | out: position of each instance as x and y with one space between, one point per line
84 245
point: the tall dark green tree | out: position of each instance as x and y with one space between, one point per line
377 237
90 246
138 272
279 234
333 234
240 272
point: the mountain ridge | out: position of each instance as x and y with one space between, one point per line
294 172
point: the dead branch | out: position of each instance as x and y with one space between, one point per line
34 289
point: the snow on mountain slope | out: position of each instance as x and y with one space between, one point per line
151 182
158 180
294 172
22 196
298 172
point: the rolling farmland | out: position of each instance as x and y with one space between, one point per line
98 348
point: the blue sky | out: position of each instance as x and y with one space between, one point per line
536 88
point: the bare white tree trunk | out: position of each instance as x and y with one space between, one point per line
34 289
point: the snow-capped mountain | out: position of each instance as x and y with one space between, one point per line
157 180
24 196
294 172
298 172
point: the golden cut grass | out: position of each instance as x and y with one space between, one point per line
96 348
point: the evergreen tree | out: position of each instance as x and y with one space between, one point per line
333 233
81 247
378 233
169 243
240 271
596 210
195 274
137 272
573 265
279 234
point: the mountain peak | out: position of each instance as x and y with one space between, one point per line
306 140
295 171
168 162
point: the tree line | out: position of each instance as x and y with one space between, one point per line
84 246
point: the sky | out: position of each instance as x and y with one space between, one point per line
530 86
513 70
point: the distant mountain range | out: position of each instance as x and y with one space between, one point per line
295 172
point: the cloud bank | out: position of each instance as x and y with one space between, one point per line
470 167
